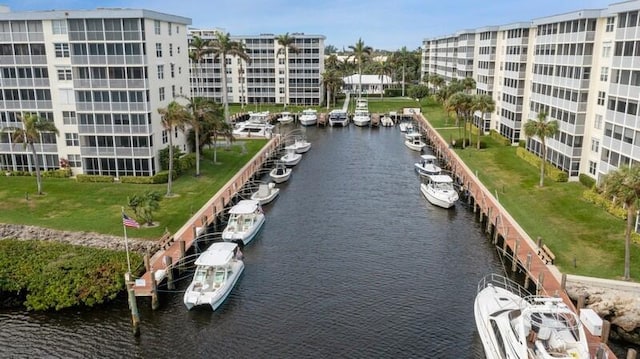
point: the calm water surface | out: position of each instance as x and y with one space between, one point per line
351 263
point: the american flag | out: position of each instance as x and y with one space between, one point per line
129 222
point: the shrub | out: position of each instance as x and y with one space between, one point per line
61 173
549 171
587 181
164 157
500 138
94 178
393 92
592 195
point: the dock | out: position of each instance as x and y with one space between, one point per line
173 247
533 258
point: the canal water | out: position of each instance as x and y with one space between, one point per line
351 263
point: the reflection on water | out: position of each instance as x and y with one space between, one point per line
352 262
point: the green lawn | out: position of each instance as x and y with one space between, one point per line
73 206
573 228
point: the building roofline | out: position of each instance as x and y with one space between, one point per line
98 13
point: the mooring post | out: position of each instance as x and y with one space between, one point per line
155 301
496 233
539 241
606 328
133 306
527 267
168 264
563 282
540 283
146 261
514 262
488 229
504 246
183 253
631 354
581 301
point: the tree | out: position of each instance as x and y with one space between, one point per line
462 103
383 69
200 108
144 205
468 83
360 53
242 79
418 91
221 47
332 62
436 81
332 81
403 57
485 104
541 128
623 185
32 129
199 49
173 116
330 50
288 45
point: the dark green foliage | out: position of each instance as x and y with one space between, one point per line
164 157
587 181
550 171
144 205
57 276
61 173
94 178
418 91
392 92
499 138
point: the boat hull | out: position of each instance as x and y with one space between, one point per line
308 121
291 160
273 193
280 178
413 146
193 298
441 199
245 236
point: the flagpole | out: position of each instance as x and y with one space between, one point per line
126 242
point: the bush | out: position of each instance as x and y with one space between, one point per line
185 163
61 173
549 171
587 181
164 157
392 92
499 138
94 178
592 195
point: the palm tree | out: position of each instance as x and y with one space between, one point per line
436 81
462 103
199 49
242 79
623 186
361 52
332 81
403 57
221 47
32 128
200 108
288 45
332 62
468 83
541 128
173 116
383 69
485 104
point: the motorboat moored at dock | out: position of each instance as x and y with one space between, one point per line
266 193
427 166
245 220
439 191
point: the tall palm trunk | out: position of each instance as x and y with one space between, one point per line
36 161
197 135
169 180
286 76
402 80
543 161
225 100
359 80
631 214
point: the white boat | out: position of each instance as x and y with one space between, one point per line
415 143
361 118
217 271
338 118
256 126
412 134
427 166
300 145
439 191
362 104
266 193
291 158
245 220
280 173
404 126
285 117
386 121
513 324
308 117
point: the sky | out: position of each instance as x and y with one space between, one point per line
381 24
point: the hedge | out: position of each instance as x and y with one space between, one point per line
94 178
550 171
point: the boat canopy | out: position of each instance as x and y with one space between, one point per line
244 206
441 178
428 157
220 253
309 111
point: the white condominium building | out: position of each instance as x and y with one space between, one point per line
100 76
581 68
263 79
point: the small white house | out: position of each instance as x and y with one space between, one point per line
371 84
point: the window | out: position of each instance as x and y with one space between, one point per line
601 96
592 168
597 122
170 49
610 22
59 27
161 93
165 136
69 118
604 74
169 27
64 74
72 139
158 49
606 50
74 160
62 50
160 72
156 27
595 145
173 70
173 91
